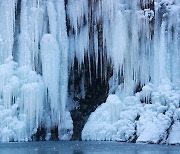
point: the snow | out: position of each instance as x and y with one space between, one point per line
123 119
113 120
174 137
152 126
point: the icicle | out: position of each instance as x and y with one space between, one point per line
35 32
78 14
50 56
24 40
6 72
52 18
65 124
7 28
32 95
10 92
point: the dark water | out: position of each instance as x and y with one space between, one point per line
89 147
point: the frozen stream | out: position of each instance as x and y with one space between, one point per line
89 147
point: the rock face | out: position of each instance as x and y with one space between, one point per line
87 95
61 59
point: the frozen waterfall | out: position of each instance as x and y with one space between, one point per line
40 42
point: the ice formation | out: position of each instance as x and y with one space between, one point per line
40 40
33 70
142 42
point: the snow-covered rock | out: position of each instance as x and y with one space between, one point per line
174 136
147 122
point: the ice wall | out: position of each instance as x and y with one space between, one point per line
33 70
40 41
141 38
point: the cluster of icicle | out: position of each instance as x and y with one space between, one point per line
39 40
142 39
33 69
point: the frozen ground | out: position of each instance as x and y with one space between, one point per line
68 147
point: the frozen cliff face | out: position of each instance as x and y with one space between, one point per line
143 46
135 41
33 90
